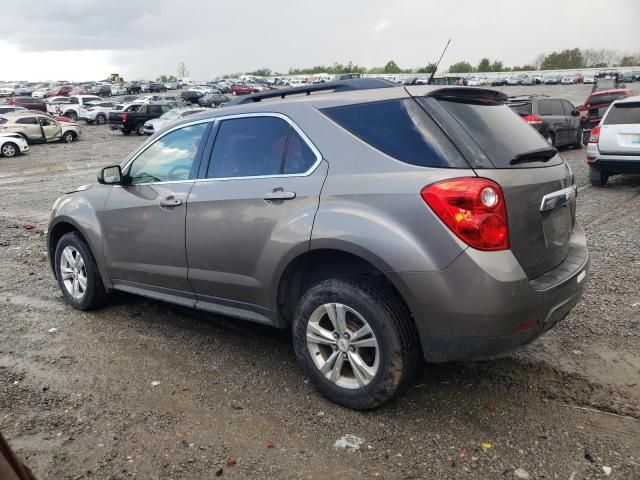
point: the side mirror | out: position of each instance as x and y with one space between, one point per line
110 175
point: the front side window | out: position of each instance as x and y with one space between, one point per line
556 107
170 158
249 147
27 121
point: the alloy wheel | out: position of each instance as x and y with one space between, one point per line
74 272
343 346
8 150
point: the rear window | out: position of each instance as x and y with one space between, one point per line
500 134
401 129
3 120
623 114
522 109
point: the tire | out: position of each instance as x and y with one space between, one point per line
101 119
597 178
72 248
140 129
126 132
73 116
389 365
578 143
68 137
9 149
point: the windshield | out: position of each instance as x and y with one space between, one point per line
170 115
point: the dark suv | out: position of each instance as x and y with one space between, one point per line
557 120
380 225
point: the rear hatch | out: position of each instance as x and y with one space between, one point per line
620 129
501 147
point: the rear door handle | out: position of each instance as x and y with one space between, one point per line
170 202
278 194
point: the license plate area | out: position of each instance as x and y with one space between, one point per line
557 226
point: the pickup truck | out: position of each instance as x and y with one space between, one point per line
71 110
132 117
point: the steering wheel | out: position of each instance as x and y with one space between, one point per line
173 172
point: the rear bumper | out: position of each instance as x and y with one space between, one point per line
483 304
613 163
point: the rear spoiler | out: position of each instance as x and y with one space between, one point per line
469 94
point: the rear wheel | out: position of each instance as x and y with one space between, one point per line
597 178
77 273
73 116
355 341
101 119
578 143
140 129
9 149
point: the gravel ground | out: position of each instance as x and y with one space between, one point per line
153 391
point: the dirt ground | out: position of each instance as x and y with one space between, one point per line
142 389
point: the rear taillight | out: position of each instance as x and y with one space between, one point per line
473 208
532 119
594 136
124 117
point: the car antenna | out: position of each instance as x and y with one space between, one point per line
438 64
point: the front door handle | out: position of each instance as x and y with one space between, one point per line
170 202
278 194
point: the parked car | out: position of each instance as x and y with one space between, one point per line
7 91
11 108
191 96
354 220
551 80
133 117
628 77
171 85
40 92
29 103
25 91
72 109
59 91
242 89
513 81
589 79
11 144
118 90
39 128
474 82
132 88
557 120
95 112
173 115
568 80
614 144
156 87
213 100
499 82
594 106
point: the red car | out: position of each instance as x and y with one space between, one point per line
29 103
593 108
60 92
239 89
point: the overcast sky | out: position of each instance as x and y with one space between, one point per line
88 39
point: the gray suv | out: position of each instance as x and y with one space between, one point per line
380 225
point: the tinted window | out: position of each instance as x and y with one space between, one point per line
568 108
544 107
556 107
3 120
299 158
27 121
247 147
623 114
604 99
399 128
499 132
170 158
45 122
521 108
73 100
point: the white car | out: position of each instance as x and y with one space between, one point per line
475 82
7 91
568 80
148 99
589 79
118 90
201 88
614 144
96 112
72 108
12 144
155 124
40 93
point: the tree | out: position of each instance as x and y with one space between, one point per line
182 70
564 59
497 66
461 67
629 61
429 68
261 72
598 58
484 65
538 61
391 67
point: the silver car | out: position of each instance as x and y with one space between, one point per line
173 115
379 225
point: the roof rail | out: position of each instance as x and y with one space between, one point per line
337 86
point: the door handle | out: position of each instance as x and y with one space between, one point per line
170 202
278 194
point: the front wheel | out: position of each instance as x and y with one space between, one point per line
140 129
77 273
73 116
68 137
355 341
101 119
597 178
9 149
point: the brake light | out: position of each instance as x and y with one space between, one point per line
473 208
124 117
595 134
532 119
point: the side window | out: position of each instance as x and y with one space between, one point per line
27 121
556 107
248 147
299 158
73 100
45 122
170 158
568 108
544 107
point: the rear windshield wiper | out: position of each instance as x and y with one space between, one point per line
541 155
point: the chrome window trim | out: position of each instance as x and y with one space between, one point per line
215 121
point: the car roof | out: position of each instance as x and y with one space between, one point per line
630 99
606 92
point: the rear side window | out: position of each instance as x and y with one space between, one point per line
399 128
27 121
544 107
556 107
522 109
623 114
499 132
299 157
